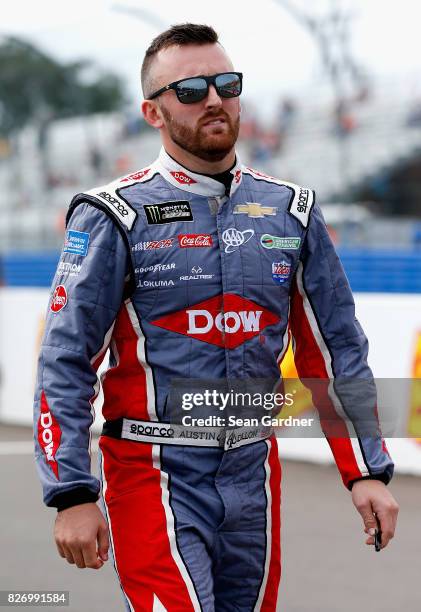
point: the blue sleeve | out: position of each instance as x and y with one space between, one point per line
330 344
86 295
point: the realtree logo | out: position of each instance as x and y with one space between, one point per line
226 320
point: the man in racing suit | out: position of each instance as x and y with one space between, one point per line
195 267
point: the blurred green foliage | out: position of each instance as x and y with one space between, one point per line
37 87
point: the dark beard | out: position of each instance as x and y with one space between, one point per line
207 147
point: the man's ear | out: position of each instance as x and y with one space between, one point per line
152 114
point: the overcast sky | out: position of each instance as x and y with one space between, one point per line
265 42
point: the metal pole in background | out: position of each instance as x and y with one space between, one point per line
332 34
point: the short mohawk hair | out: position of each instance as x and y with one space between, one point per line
180 34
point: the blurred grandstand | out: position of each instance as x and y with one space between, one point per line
360 151
355 173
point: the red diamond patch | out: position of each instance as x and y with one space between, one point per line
226 320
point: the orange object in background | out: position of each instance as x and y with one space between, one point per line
292 384
414 420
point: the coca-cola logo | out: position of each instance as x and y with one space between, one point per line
49 434
187 241
183 178
226 320
59 299
136 176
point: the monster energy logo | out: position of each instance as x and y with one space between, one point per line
168 212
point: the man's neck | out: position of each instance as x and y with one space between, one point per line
196 164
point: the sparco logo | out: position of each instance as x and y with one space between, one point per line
114 202
233 238
183 178
302 200
59 299
187 241
226 320
151 430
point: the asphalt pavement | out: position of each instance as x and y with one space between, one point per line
326 565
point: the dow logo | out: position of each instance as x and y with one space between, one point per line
226 320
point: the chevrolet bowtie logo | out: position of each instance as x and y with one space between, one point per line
253 209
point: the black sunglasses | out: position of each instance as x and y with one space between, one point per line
195 89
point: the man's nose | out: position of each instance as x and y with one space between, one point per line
213 98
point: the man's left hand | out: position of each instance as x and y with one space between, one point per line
372 499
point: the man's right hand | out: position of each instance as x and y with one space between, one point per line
77 531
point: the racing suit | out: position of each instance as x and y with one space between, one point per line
178 280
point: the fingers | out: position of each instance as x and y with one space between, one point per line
82 552
370 531
77 531
60 549
90 556
77 557
378 510
387 517
366 511
103 542
68 554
